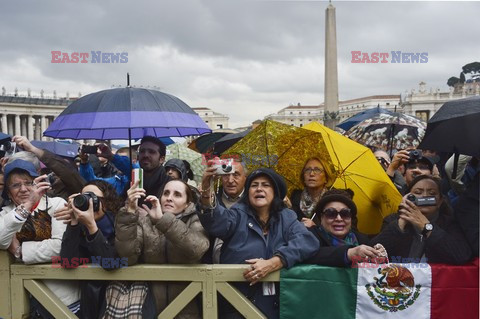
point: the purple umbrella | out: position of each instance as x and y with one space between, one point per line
126 113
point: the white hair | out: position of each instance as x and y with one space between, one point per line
26 156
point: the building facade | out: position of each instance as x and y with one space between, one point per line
213 119
29 116
423 103
300 115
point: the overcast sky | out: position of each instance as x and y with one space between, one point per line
246 59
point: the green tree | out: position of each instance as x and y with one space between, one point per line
452 81
472 68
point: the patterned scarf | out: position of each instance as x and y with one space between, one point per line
307 204
38 225
125 300
350 239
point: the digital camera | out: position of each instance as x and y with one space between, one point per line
50 178
7 148
422 201
415 155
81 201
224 167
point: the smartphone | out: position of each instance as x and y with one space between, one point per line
137 175
89 149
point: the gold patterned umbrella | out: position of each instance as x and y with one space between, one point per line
283 148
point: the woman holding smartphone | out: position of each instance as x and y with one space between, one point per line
167 233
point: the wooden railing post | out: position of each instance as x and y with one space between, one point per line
5 302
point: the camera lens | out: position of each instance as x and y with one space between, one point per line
415 155
412 198
226 168
81 202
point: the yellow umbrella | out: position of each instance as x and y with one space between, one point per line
282 147
357 168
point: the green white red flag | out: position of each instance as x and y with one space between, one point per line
413 291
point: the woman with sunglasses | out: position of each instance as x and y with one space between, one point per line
90 238
315 180
340 244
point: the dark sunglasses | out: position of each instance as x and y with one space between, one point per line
332 213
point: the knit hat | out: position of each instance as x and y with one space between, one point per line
179 166
19 165
337 195
280 187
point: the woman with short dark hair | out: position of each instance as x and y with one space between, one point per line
341 245
90 238
259 231
424 228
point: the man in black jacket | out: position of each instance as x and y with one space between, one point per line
151 155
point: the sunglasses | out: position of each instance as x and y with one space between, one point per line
332 213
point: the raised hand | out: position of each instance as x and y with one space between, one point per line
156 210
66 214
133 195
40 188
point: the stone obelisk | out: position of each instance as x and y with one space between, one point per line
331 74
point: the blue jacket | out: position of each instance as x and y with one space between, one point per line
243 239
118 181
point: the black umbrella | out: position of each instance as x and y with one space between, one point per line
227 141
455 128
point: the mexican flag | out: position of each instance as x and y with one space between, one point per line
413 291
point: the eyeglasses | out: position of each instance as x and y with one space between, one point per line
315 171
19 185
383 161
332 213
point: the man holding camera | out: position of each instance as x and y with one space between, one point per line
414 163
233 186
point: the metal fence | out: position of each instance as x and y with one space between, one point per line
17 280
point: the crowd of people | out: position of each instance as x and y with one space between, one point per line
80 212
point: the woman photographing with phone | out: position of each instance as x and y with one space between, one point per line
167 233
424 228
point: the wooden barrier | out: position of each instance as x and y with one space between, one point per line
204 279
